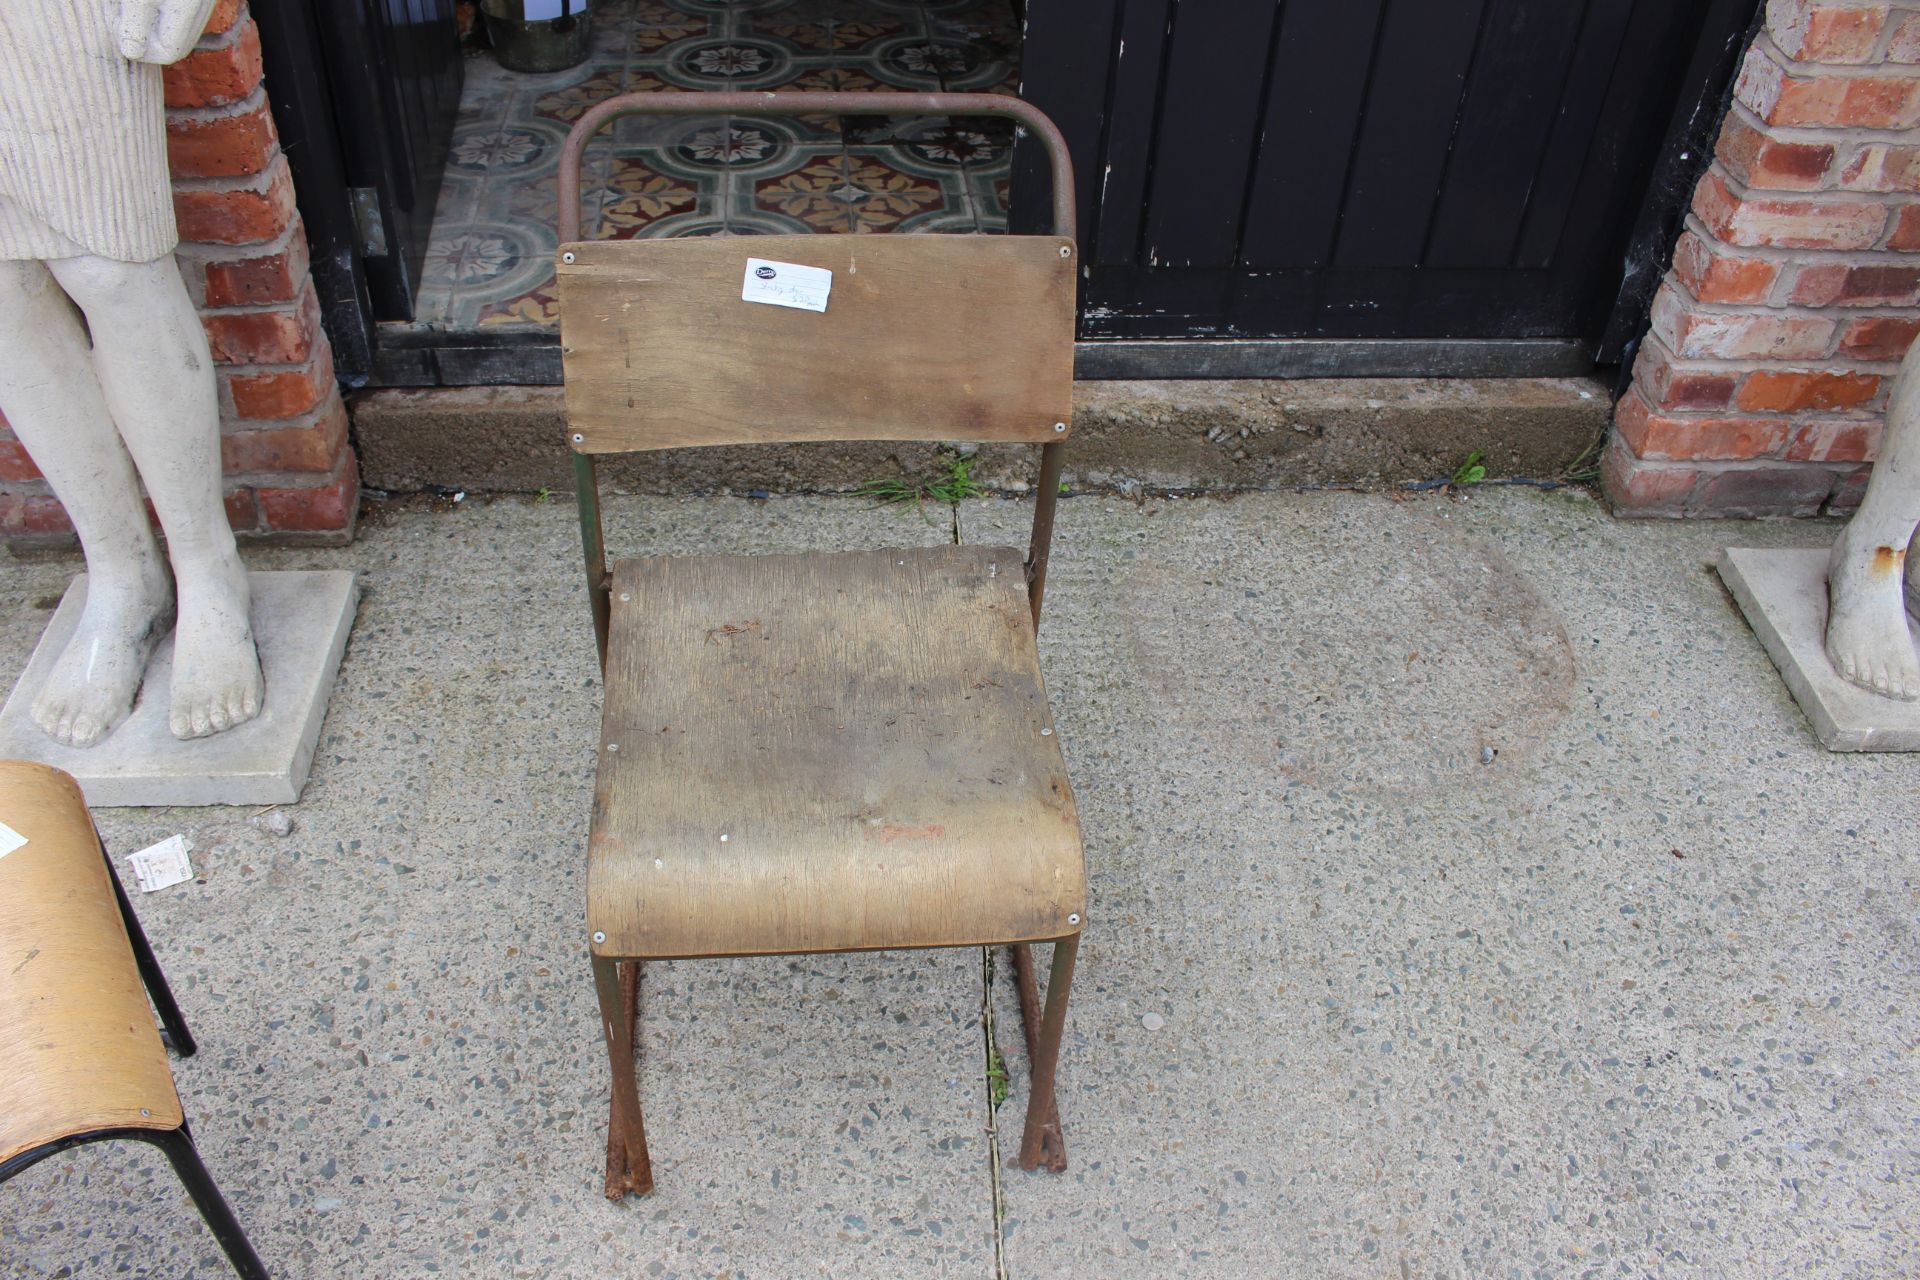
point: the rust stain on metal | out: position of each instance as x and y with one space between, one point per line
623 1177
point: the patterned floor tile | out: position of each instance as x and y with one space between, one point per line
730 145
968 142
538 308
991 196
915 63
654 26
813 195
857 33
807 26
729 63
570 100
897 197
490 260
636 194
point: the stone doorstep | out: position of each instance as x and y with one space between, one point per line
1219 434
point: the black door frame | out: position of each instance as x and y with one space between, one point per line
398 128
303 110
1693 130
366 254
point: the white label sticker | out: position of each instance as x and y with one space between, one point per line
786 284
161 865
9 839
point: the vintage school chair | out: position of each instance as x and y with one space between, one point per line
83 1062
840 752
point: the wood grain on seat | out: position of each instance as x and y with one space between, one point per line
78 1047
828 752
952 337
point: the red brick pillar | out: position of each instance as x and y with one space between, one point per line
1795 288
290 470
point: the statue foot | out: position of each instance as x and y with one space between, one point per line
93 683
216 672
1868 640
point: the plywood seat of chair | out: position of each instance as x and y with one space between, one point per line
77 1037
828 752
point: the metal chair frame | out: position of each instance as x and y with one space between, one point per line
629 1168
176 1144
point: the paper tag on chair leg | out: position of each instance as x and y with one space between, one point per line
162 865
9 839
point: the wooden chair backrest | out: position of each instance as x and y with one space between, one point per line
934 337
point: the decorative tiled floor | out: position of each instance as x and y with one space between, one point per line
490 263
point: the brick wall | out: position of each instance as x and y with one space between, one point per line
290 470
1795 287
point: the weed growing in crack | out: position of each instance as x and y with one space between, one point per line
949 485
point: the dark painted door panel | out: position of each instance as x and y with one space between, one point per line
1359 168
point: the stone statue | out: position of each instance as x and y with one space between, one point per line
86 222
1869 640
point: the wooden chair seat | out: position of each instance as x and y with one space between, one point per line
80 1046
827 752
80 1058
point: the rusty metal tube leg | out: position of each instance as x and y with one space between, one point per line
1043 1145
629 1171
1027 983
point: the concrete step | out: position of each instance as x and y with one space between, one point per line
1179 435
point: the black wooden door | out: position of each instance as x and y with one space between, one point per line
1359 169
395 69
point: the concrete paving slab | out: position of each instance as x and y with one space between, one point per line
1783 593
300 625
1467 900
401 1072
1631 997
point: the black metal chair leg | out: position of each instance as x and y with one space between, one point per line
178 1144
176 1034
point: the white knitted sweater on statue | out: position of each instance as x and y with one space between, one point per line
83 138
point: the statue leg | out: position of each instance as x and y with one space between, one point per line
54 402
153 364
1868 639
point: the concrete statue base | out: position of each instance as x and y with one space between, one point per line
1784 595
300 625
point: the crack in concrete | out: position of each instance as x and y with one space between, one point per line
989 1056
